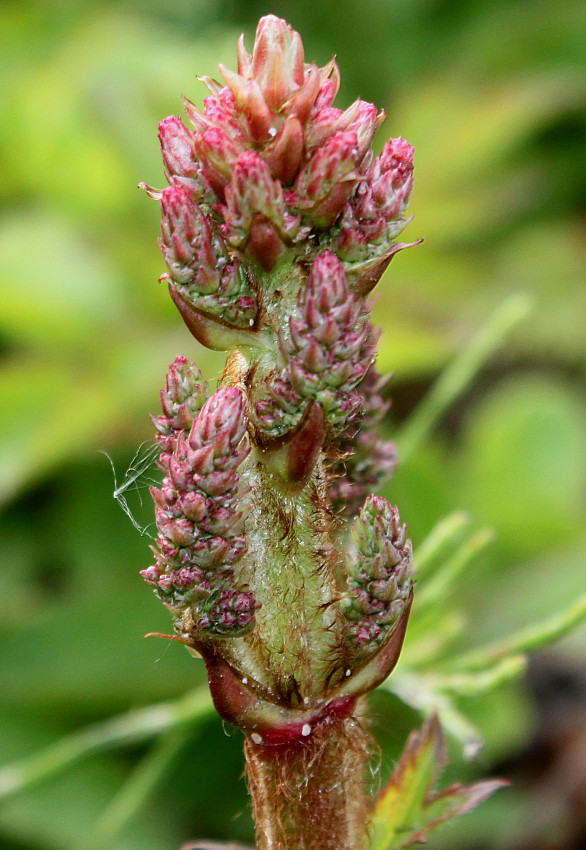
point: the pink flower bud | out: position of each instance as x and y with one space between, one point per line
360 117
365 123
198 262
264 242
328 179
181 400
256 115
178 531
301 103
191 251
199 506
325 352
328 90
231 613
221 110
326 288
213 551
150 575
391 178
255 211
283 155
218 153
178 150
192 505
224 414
277 60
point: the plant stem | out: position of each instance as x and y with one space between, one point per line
311 796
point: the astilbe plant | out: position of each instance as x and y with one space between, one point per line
279 567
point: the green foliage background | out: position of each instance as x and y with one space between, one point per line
493 96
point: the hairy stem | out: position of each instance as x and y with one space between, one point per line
311 795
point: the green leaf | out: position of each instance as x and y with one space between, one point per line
523 461
131 728
407 808
525 640
443 536
441 584
460 374
135 792
483 681
63 294
420 692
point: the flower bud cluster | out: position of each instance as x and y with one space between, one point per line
183 397
363 460
277 222
374 215
326 353
255 213
200 267
272 165
199 514
379 574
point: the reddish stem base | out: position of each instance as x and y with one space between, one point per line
311 795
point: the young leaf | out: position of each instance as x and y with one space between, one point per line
407 808
526 639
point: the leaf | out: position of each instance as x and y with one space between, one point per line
461 372
525 449
407 808
422 695
441 584
483 681
131 728
135 793
442 537
525 640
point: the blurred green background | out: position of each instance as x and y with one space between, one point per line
493 96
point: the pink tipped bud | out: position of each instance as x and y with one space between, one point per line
302 102
184 394
198 507
221 110
284 154
252 106
218 153
184 386
391 178
265 243
277 60
222 423
329 86
367 460
244 58
178 149
365 125
328 179
255 211
328 121
188 246
231 613
326 286
252 191
325 352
